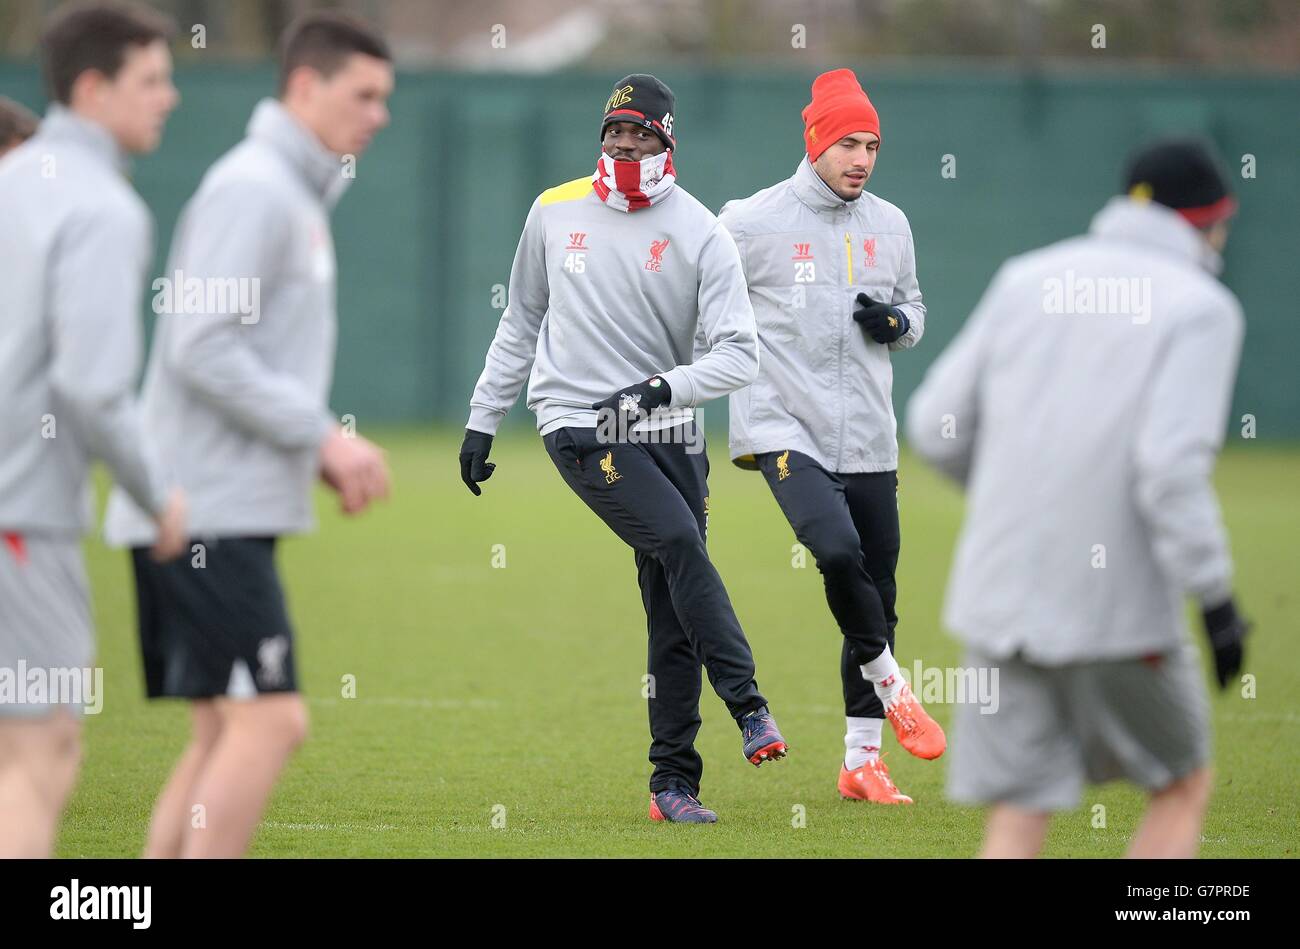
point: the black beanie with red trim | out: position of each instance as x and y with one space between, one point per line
643 100
1183 174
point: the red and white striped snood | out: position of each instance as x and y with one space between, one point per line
633 185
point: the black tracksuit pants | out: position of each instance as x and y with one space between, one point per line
850 524
654 495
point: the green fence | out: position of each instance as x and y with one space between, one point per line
429 228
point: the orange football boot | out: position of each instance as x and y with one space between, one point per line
913 727
871 783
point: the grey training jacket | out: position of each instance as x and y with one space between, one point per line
75 246
238 395
600 299
825 388
1083 404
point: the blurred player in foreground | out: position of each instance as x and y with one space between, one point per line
75 248
1082 405
832 276
237 396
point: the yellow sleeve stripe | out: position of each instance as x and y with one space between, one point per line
569 191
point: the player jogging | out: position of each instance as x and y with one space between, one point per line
75 247
1085 436
614 276
238 398
832 276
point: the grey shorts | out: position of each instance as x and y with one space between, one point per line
1055 728
47 640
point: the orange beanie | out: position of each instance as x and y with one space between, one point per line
838 107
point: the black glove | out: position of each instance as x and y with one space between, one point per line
882 322
638 399
1227 631
474 466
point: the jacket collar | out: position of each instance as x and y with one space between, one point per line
320 168
1154 225
812 191
61 124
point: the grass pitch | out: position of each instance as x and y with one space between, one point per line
498 710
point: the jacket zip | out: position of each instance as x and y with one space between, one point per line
839 440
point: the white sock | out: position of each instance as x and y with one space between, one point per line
861 741
882 672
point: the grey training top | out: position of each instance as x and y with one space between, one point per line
237 394
1082 405
75 246
601 299
825 388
